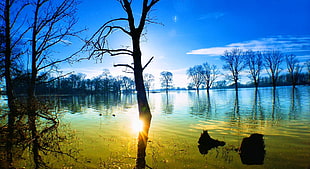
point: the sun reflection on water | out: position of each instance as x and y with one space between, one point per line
136 125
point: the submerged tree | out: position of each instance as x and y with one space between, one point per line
210 74
234 62
254 61
273 60
11 36
52 24
148 80
127 84
307 64
196 75
166 79
294 68
134 30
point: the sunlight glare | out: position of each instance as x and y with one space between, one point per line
137 125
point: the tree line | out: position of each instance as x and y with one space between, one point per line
104 83
255 64
30 32
203 76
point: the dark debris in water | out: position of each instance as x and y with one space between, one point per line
206 143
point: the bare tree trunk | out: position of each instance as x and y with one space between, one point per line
31 91
9 86
208 90
144 110
236 85
98 43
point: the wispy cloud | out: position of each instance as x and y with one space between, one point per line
284 43
214 15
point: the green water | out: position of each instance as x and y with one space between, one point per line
100 130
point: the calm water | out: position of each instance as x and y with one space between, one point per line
101 131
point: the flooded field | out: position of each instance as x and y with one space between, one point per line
98 131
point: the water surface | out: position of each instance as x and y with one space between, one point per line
103 129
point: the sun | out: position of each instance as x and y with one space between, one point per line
136 125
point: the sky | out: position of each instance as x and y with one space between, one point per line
192 32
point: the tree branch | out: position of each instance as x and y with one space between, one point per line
124 65
56 78
52 63
115 52
148 63
104 25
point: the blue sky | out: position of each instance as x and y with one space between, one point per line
196 31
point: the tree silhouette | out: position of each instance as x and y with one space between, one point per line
273 60
254 61
51 23
307 64
98 45
11 36
128 84
196 75
148 80
166 79
210 74
293 68
234 63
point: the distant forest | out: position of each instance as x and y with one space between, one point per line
106 83
283 80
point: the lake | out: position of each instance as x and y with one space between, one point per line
99 131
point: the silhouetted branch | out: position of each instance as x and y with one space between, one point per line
125 65
56 78
148 63
115 52
52 63
19 11
97 43
59 152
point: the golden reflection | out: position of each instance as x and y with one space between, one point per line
136 125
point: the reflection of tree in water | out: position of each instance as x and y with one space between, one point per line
256 115
200 104
34 145
167 103
72 103
127 100
275 109
257 107
294 107
234 112
100 102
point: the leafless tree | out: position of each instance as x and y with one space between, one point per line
98 45
11 11
307 64
254 61
52 23
128 84
210 74
166 80
234 62
148 80
294 68
273 60
196 75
